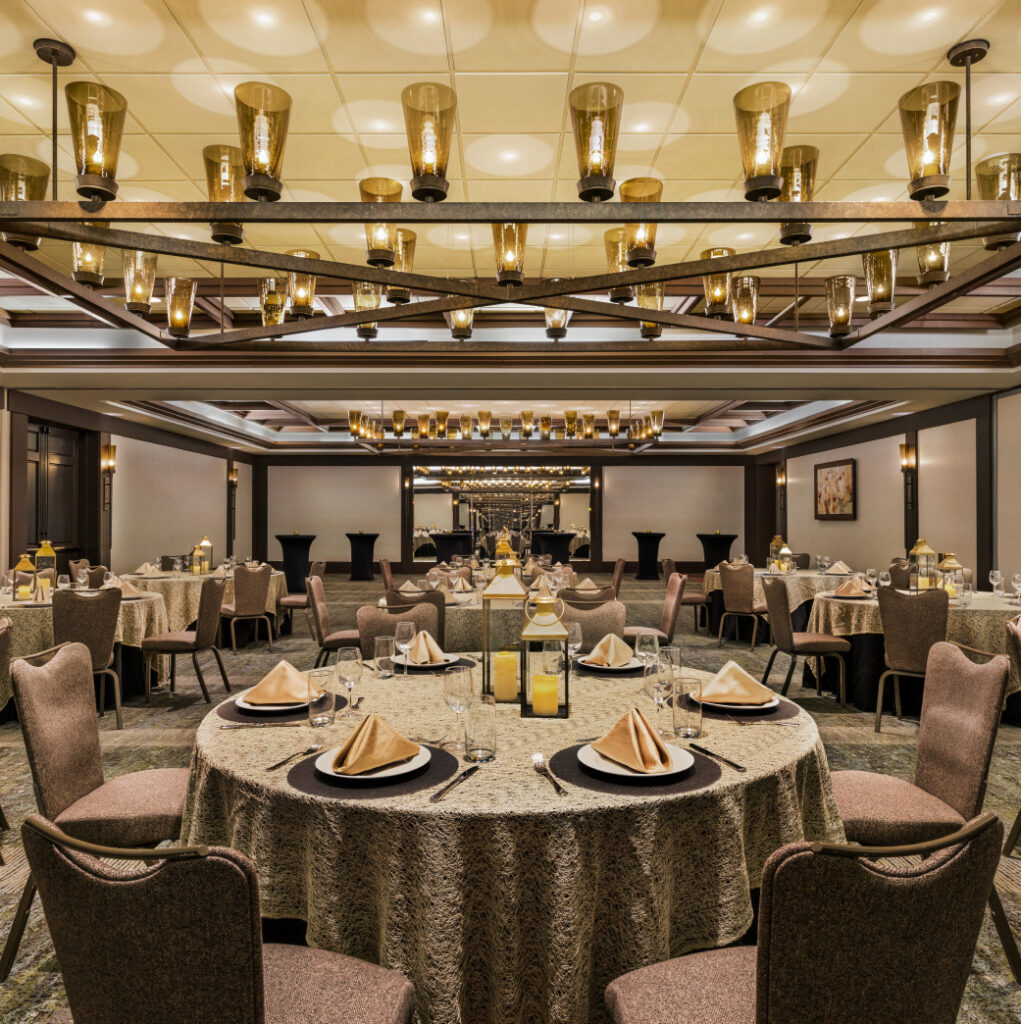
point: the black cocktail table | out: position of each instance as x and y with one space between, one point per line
648 554
555 543
716 547
361 554
456 542
295 547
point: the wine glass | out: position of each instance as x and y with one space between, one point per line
574 638
458 694
884 578
647 647
63 582
108 579
824 562
349 671
871 575
82 576
995 578
178 564
1015 582
659 686
404 634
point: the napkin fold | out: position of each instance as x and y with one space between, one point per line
586 584
853 587
220 571
374 744
633 743
40 593
611 651
543 589
283 684
732 685
407 587
838 568
126 588
461 585
148 569
424 650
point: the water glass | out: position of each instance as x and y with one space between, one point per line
108 579
178 564
321 698
659 687
574 638
82 577
871 575
964 594
349 671
647 647
1015 582
383 656
404 634
480 729
996 579
884 578
458 695
63 582
687 706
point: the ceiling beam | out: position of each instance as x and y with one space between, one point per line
300 415
216 309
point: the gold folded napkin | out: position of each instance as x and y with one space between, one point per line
853 588
374 744
220 571
543 589
148 569
461 585
284 684
40 593
558 565
126 589
424 650
633 743
587 584
407 587
732 685
838 568
611 651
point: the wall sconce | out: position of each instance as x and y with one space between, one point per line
272 300
404 261
232 476
225 172
509 246
797 166
880 280
263 114
108 459
595 121
933 258
781 488
716 286
380 239
232 506
429 109
460 321
927 118
397 418
781 475
746 298
97 116
641 238
367 295
180 300
139 271
908 458
650 296
87 259
22 179
761 112
997 177
840 303
407 483
615 241
301 287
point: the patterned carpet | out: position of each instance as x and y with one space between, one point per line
162 735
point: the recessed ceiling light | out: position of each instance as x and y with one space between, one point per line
429 14
643 127
760 16
508 155
1000 99
264 17
556 237
599 14
26 101
461 238
932 14
96 17
379 125
745 236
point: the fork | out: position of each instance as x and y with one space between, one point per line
539 763
290 757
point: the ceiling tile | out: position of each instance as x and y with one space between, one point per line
178 103
373 102
511 103
512 35
708 102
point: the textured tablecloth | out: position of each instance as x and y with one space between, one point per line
181 592
802 585
504 902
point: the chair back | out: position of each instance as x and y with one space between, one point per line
96 574
398 599
912 623
56 704
586 598
738 583
74 564
387 573
167 561
618 575
317 602
465 573
961 707
900 575
1013 630
89 619
779 605
802 559
181 913
374 621
27 579
843 939
672 604
597 622
207 622
251 588
669 567
319 569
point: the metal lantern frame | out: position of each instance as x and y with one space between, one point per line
505 590
923 564
533 633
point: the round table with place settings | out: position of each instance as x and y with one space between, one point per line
504 901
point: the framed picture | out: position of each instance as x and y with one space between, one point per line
836 490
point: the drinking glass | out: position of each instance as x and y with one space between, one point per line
383 656
404 633
456 561
871 575
107 579
178 564
458 694
884 578
349 671
574 638
63 582
480 729
964 594
659 686
8 582
82 577
996 578
647 647
321 698
1015 582
824 562
687 705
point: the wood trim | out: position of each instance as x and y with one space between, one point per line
232 507
97 521
911 495
18 525
260 510
985 504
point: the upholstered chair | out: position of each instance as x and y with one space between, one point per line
1014 650
74 565
465 573
329 640
912 623
597 622
195 913
251 589
900 575
96 575
91 619
802 560
618 576
292 602
55 704
191 641
437 598
5 656
387 573
668 620
899 939
739 597
818 645
374 621
692 597
28 579
586 598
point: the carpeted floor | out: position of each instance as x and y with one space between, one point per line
162 735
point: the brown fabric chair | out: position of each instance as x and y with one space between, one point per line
75 564
618 576
251 589
398 599
819 645
739 597
671 609
465 573
329 640
290 602
841 940
387 573
58 721
194 912
1014 651
91 619
912 623
96 574
374 621
191 641
692 597
28 579
802 560
900 576
586 598
597 622
5 657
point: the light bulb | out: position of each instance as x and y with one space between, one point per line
596 144
261 142
429 147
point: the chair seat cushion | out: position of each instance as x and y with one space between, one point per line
693 597
294 601
228 611
715 987
881 810
314 986
759 608
631 632
341 638
820 643
134 809
182 641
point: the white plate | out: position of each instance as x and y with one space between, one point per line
268 708
680 761
448 659
836 575
775 702
324 765
632 664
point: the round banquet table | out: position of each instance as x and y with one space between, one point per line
648 554
504 902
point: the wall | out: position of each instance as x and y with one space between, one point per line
574 509
679 501
1007 557
432 508
164 501
243 511
946 489
331 501
877 534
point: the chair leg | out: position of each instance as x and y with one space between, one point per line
694 612
896 697
102 695
17 929
233 636
1008 849
755 629
5 826
116 695
146 669
1007 939
269 631
879 701
790 676
308 622
198 672
173 671
723 619
223 671
843 677
769 664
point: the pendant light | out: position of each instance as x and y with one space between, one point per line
225 172
545 427
556 322
880 280
656 418
527 422
367 295
798 168
595 121
840 303
613 422
716 286
571 422
997 177
649 295
354 422
615 241
933 258
263 114
461 323
442 415
380 239
429 109
180 300
761 112
97 115
506 427
397 421
467 425
404 261
640 239
485 422
272 300
22 180
509 246
87 259
928 114
139 272
301 286
744 303
423 424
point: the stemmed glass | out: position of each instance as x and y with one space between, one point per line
178 564
647 647
871 575
404 634
1015 582
349 671
659 686
107 579
823 562
996 579
574 639
82 577
458 693
63 582
884 578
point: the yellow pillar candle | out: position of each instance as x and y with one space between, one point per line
44 582
505 675
24 592
545 697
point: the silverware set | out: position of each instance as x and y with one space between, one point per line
456 781
718 757
314 749
539 764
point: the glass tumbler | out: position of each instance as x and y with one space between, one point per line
321 697
480 729
384 656
687 709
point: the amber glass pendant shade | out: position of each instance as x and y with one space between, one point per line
397 420
354 422
744 298
716 286
22 180
404 261
506 427
139 271
615 241
840 303
997 177
97 115
380 238
263 114
461 323
933 258
225 173
467 425
595 121
798 165
429 109
423 424
613 422
545 427
367 295
87 259
272 300
556 322
485 422
650 296
527 422
571 422
640 239
880 280
761 113
927 118
509 247
301 286
180 300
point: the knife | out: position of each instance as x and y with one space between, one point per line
719 757
263 725
466 774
